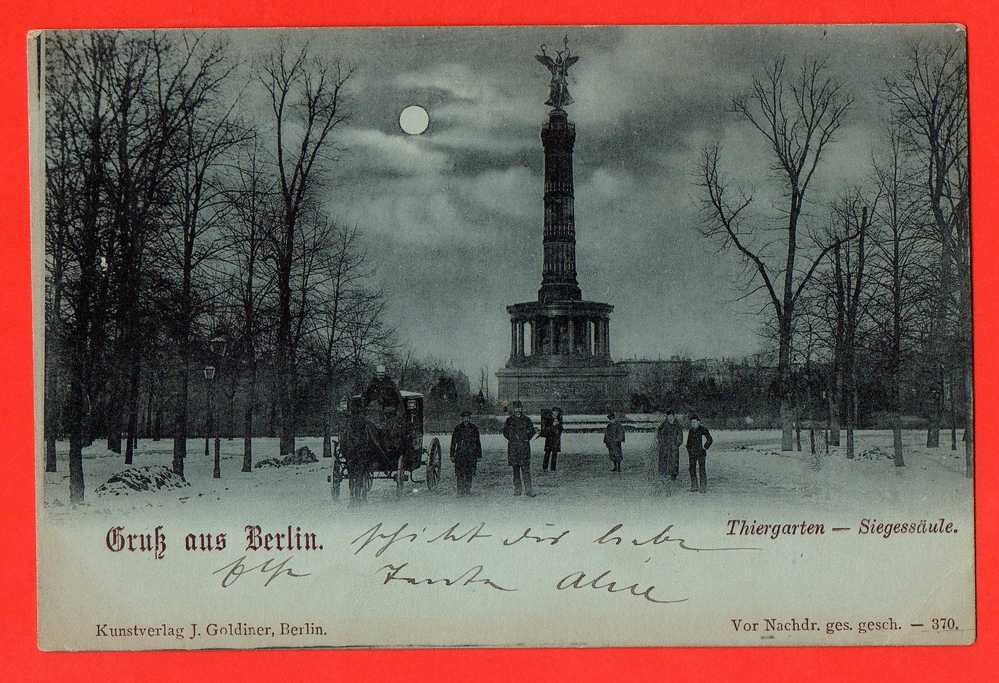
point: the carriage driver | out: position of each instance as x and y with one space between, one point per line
382 389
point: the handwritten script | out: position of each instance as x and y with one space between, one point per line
382 539
270 568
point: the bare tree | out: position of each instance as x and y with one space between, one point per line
308 92
898 258
345 293
798 116
849 295
61 212
929 101
248 232
206 133
79 79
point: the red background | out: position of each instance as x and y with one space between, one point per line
22 661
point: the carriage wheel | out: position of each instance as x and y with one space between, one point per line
434 464
400 474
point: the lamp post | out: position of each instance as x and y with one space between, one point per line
209 418
218 346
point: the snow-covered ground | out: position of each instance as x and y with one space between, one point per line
834 577
746 471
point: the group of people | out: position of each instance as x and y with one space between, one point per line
360 435
669 438
519 430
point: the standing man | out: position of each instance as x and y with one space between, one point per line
466 449
669 436
613 439
552 431
518 431
698 442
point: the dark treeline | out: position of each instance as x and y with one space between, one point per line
181 236
867 298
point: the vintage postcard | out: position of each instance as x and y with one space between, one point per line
510 336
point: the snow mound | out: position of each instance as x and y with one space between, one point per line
137 479
303 456
874 453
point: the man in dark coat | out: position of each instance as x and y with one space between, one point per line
698 442
669 436
551 430
466 449
518 431
613 439
382 389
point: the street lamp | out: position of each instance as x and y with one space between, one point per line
218 347
209 418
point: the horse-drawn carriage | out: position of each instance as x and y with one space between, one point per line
387 459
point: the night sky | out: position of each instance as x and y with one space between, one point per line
453 217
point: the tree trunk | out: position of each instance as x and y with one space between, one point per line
784 375
933 426
952 410
147 418
272 414
849 426
896 438
51 426
114 424
130 438
131 435
251 397
969 416
51 419
180 420
967 360
51 464
75 410
896 426
834 410
327 441
797 433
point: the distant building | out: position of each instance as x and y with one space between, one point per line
663 382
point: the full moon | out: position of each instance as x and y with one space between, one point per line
414 120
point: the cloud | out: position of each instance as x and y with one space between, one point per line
397 154
455 215
514 192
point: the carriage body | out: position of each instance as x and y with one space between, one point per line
393 462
